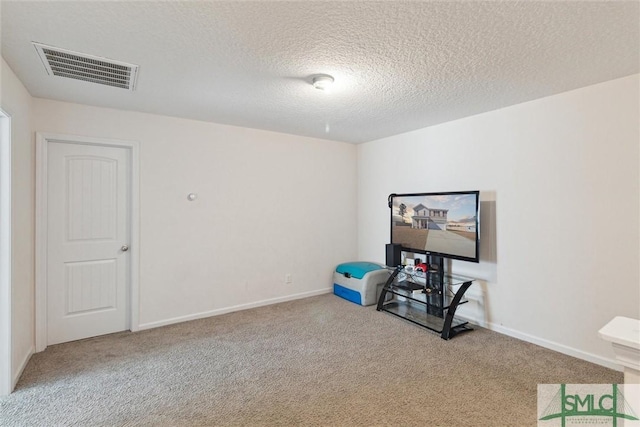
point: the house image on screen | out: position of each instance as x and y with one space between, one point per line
432 219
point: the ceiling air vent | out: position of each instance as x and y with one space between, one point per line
80 66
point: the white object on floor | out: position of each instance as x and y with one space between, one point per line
624 335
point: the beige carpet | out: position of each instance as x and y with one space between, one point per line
319 361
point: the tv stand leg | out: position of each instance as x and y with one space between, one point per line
447 332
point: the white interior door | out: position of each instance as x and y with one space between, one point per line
88 233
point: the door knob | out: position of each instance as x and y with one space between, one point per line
124 248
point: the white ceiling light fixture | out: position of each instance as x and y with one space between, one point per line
322 81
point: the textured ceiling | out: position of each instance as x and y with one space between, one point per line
398 66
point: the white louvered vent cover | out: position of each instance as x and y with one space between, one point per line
80 66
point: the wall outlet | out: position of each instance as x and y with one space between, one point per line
288 278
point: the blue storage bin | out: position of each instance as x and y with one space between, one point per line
360 282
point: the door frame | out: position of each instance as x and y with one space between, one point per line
42 142
6 344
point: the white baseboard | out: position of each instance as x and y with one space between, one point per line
23 365
225 310
551 345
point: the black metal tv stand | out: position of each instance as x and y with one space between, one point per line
426 298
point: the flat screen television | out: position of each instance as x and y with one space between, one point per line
439 224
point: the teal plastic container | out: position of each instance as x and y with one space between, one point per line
359 282
357 269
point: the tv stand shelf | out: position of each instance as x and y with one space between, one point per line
426 299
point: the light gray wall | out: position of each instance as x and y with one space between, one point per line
17 102
269 204
559 209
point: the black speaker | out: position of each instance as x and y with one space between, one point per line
394 255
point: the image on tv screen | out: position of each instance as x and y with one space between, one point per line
440 223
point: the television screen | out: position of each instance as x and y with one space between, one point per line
441 224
